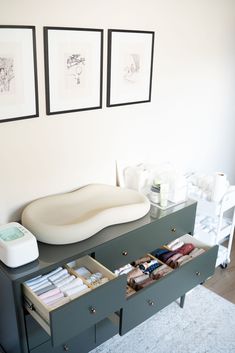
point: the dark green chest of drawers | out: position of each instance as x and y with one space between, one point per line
73 327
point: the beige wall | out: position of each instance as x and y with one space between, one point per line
190 120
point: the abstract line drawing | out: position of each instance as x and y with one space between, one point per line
18 73
129 66
73 69
132 68
6 73
75 63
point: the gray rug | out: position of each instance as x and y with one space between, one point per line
205 325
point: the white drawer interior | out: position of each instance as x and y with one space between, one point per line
187 238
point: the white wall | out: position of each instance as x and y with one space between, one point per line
190 121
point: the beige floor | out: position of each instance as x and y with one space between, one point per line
223 281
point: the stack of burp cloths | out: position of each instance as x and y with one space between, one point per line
177 253
92 279
53 287
143 272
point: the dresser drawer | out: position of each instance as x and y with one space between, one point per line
153 298
142 240
68 320
35 333
82 343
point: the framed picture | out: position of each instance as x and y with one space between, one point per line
18 73
130 66
73 69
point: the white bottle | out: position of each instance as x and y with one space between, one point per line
164 193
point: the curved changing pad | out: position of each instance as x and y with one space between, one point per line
75 216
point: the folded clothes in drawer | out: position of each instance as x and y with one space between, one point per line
143 272
91 275
73 297
56 287
179 251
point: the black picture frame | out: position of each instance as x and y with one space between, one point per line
73 69
18 73
129 66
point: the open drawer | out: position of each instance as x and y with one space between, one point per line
79 313
146 238
149 300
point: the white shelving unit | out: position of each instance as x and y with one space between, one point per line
215 225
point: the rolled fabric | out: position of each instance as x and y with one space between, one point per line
176 246
40 279
139 279
41 285
94 277
166 256
160 268
53 298
144 284
146 265
124 270
50 293
52 273
57 275
83 271
186 248
100 282
45 289
35 279
151 268
182 260
172 243
75 290
61 278
64 281
134 273
162 273
173 259
196 252
141 260
159 252
75 283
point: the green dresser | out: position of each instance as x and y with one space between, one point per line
87 321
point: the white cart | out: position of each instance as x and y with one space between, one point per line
215 225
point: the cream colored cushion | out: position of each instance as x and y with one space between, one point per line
75 216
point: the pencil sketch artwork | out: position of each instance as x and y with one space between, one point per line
6 74
132 68
75 66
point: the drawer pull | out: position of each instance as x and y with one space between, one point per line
125 253
173 230
66 348
198 273
151 303
29 305
92 310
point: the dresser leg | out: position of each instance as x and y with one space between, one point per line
182 299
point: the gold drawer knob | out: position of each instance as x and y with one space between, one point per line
66 348
151 302
92 310
173 230
125 253
198 273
